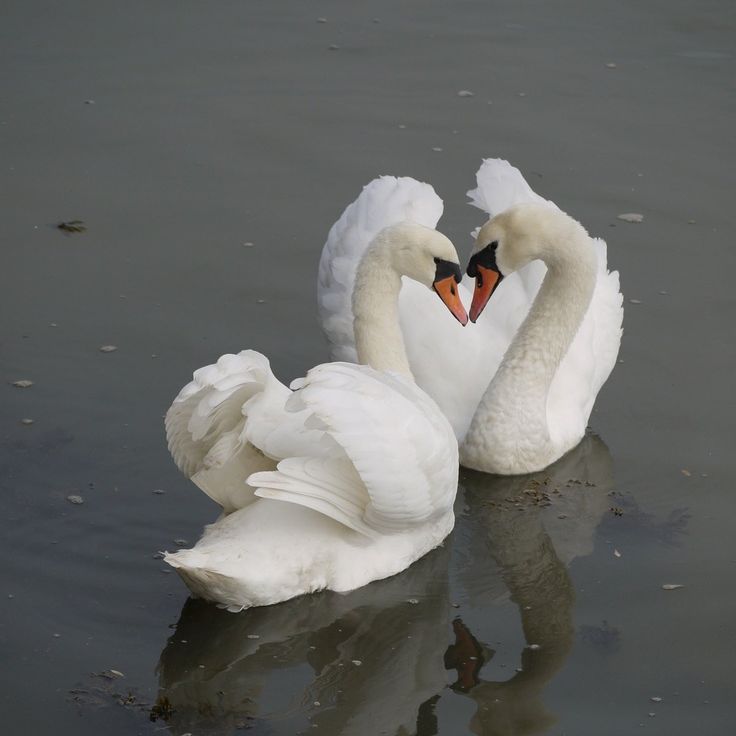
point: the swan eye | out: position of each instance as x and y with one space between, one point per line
479 280
452 290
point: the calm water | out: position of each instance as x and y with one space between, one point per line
223 123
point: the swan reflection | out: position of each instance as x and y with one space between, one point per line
381 659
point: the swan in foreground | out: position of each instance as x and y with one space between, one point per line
350 478
518 388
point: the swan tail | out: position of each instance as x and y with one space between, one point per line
194 569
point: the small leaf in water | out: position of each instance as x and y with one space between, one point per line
672 586
75 499
413 601
23 383
26 421
655 699
108 348
616 553
158 491
357 662
465 93
253 636
631 217
686 472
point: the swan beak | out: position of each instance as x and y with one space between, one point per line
486 281
447 290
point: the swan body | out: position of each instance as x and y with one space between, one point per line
347 478
540 409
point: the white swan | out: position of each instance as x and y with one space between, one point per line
367 463
524 417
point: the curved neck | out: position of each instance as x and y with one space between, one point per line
514 405
378 337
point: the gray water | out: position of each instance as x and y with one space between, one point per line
177 131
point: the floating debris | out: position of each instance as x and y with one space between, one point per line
253 636
413 601
23 383
691 222
26 421
109 674
631 217
248 244
333 47
651 715
317 703
465 93
75 499
260 301
108 348
89 102
535 646
611 65
321 20
655 699
617 510
672 586
357 662
616 553
522 94
158 491
72 226
437 149
635 301
686 472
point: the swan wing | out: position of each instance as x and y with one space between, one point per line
385 201
229 422
390 462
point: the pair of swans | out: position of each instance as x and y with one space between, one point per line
352 476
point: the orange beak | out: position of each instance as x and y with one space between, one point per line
486 281
447 291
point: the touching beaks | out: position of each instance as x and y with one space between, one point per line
447 276
486 281
447 290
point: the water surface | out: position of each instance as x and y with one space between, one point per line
178 132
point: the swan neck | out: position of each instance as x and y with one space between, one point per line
511 424
378 337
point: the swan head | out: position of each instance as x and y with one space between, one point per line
510 240
427 256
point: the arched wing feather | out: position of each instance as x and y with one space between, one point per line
385 201
393 460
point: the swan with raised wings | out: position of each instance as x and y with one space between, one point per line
350 478
519 388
